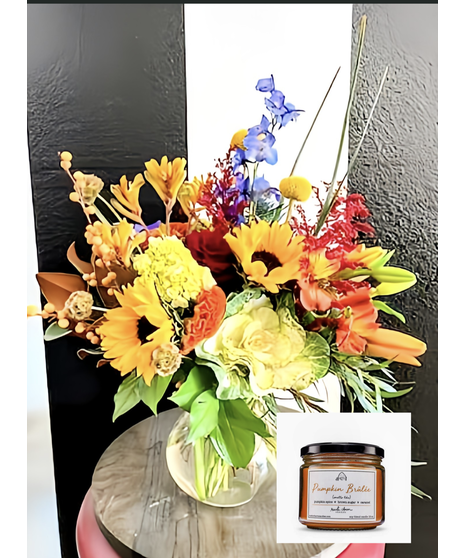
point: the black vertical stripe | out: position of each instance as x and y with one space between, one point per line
106 82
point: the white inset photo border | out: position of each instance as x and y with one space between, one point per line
389 431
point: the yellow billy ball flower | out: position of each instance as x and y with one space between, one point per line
237 139
295 188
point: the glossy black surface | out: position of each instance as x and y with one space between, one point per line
397 172
341 447
106 82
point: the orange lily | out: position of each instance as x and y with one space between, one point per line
359 333
316 293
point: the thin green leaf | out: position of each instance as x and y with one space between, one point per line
313 123
54 331
379 401
379 305
419 493
329 197
399 393
370 116
382 365
151 395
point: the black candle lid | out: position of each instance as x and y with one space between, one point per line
342 447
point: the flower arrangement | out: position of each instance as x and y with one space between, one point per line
241 297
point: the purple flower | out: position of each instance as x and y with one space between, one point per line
238 159
260 148
275 104
291 114
265 85
262 190
260 128
152 227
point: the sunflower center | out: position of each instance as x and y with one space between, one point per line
270 260
144 329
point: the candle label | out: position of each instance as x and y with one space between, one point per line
341 495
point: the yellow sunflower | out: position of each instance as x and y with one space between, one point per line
134 331
269 254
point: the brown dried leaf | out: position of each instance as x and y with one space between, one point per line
80 265
102 362
123 277
57 287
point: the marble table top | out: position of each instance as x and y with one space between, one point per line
143 513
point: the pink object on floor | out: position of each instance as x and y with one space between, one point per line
365 550
89 539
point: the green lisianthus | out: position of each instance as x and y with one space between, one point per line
272 345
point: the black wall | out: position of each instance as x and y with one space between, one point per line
106 82
397 172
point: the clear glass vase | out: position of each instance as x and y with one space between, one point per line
201 473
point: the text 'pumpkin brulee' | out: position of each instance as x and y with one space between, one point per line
341 486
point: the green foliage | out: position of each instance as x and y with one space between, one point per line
285 299
151 395
234 437
359 384
200 379
388 310
419 493
229 423
127 396
236 302
231 383
203 415
54 331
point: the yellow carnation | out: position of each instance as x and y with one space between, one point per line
178 277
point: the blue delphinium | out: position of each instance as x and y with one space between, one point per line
260 147
282 112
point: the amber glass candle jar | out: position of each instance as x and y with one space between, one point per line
341 486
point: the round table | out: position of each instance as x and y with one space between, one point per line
143 513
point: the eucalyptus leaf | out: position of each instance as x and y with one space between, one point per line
399 393
419 493
127 395
54 331
151 395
